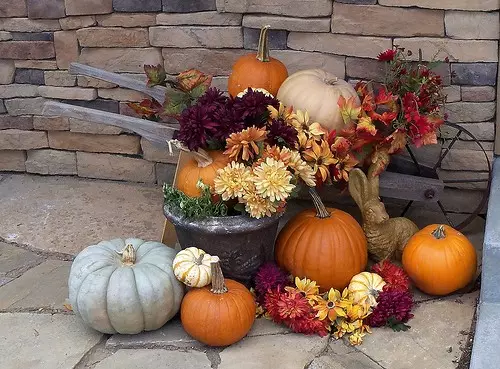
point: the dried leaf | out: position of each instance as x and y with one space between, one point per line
380 160
397 140
349 109
147 108
191 79
365 125
156 74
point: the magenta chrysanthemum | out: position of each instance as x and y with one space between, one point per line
196 126
392 305
270 277
252 107
281 134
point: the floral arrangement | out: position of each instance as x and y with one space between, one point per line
272 149
406 109
301 307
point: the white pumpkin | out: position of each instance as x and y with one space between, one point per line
125 286
192 267
366 286
317 92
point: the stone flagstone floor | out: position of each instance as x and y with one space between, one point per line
44 221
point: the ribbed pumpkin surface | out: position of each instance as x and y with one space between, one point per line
190 173
330 250
440 266
218 319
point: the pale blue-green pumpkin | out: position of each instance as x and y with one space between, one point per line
125 286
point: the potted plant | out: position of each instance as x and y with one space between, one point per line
269 151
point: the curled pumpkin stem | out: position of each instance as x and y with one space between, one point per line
263 48
218 285
202 158
321 210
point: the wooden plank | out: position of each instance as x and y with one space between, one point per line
157 133
408 187
157 92
169 237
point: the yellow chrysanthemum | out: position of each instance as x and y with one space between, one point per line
302 169
257 206
331 307
272 180
233 181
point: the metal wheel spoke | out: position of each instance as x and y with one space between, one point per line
407 207
450 222
447 150
414 159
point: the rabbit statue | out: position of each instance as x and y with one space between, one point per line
386 237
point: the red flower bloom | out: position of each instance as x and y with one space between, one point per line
270 277
392 306
286 306
387 55
395 277
310 325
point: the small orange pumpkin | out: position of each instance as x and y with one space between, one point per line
257 70
199 167
220 314
323 244
440 260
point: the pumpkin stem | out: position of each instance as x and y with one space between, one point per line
218 285
321 210
199 261
263 49
128 255
202 158
439 232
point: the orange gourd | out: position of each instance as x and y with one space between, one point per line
200 167
257 70
324 244
440 260
220 314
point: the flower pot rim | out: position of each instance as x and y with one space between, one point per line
227 224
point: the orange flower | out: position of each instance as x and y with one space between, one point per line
244 143
343 167
320 157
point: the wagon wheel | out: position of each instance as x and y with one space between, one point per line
450 134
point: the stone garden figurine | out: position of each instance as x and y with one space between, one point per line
386 237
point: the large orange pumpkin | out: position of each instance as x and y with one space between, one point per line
257 70
440 260
199 168
324 244
220 314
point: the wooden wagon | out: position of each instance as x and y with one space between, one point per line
407 178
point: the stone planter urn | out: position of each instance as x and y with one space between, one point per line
242 243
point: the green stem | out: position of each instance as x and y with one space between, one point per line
263 49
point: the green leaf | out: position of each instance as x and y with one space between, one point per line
198 91
396 325
239 207
176 102
189 80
